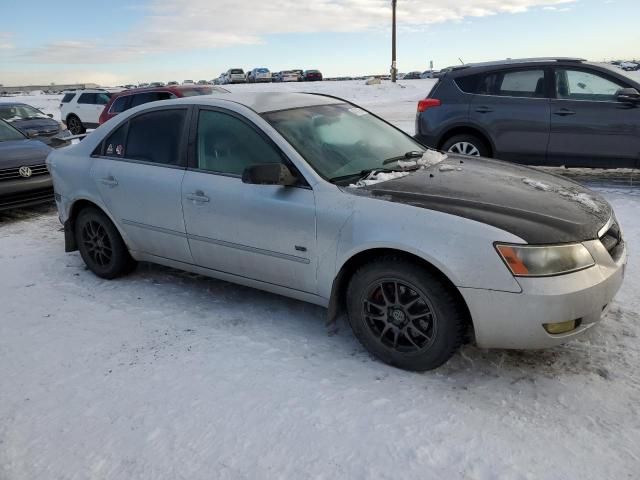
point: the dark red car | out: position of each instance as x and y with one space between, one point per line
312 76
127 99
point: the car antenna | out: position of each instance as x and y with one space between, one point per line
461 61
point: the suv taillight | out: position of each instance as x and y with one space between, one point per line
428 103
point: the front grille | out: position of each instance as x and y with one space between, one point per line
23 199
13 173
612 240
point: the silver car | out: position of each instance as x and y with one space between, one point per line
315 198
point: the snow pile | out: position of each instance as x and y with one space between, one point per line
579 197
378 177
449 168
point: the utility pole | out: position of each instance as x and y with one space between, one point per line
394 70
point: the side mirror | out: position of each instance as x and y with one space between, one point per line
628 95
269 174
31 134
50 115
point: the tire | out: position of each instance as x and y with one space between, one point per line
75 125
101 246
471 144
430 327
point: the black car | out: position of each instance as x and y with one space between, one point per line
551 111
31 121
412 76
24 178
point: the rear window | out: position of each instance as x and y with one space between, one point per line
155 137
94 98
194 92
119 105
515 83
468 84
142 98
68 97
237 70
262 70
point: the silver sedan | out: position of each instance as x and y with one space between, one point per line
315 198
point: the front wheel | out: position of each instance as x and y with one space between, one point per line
466 145
404 315
101 245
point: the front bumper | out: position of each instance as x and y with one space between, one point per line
25 192
515 320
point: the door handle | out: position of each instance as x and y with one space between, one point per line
484 109
197 196
110 181
563 112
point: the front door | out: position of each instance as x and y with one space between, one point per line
512 106
139 175
261 232
589 127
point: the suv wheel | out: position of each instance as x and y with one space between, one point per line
466 144
75 125
101 245
404 315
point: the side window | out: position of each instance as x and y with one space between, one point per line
68 97
102 98
581 85
142 98
87 98
226 144
156 137
516 83
114 144
120 104
468 84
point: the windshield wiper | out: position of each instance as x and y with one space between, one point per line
364 173
406 156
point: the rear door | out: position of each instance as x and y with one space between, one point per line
139 172
589 127
261 232
90 106
512 107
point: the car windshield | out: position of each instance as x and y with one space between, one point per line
262 70
340 141
8 133
11 113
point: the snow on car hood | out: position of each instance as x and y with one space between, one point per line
429 159
534 205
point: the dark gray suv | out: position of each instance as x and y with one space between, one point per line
551 111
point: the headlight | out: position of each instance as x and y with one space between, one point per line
540 261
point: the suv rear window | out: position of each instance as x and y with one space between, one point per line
68 97
236 70
514 83
468 84
142 98
119 104
95 98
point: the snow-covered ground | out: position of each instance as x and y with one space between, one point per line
168 375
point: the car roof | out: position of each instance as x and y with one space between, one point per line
262 102
168 88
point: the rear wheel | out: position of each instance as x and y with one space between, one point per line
404 315
466 144
75 125
101 245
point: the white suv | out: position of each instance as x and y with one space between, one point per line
81 109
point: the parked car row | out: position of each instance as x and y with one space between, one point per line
552 111
262 74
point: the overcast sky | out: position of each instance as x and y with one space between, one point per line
121 41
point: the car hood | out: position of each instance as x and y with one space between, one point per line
536 206
37 125
17 153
